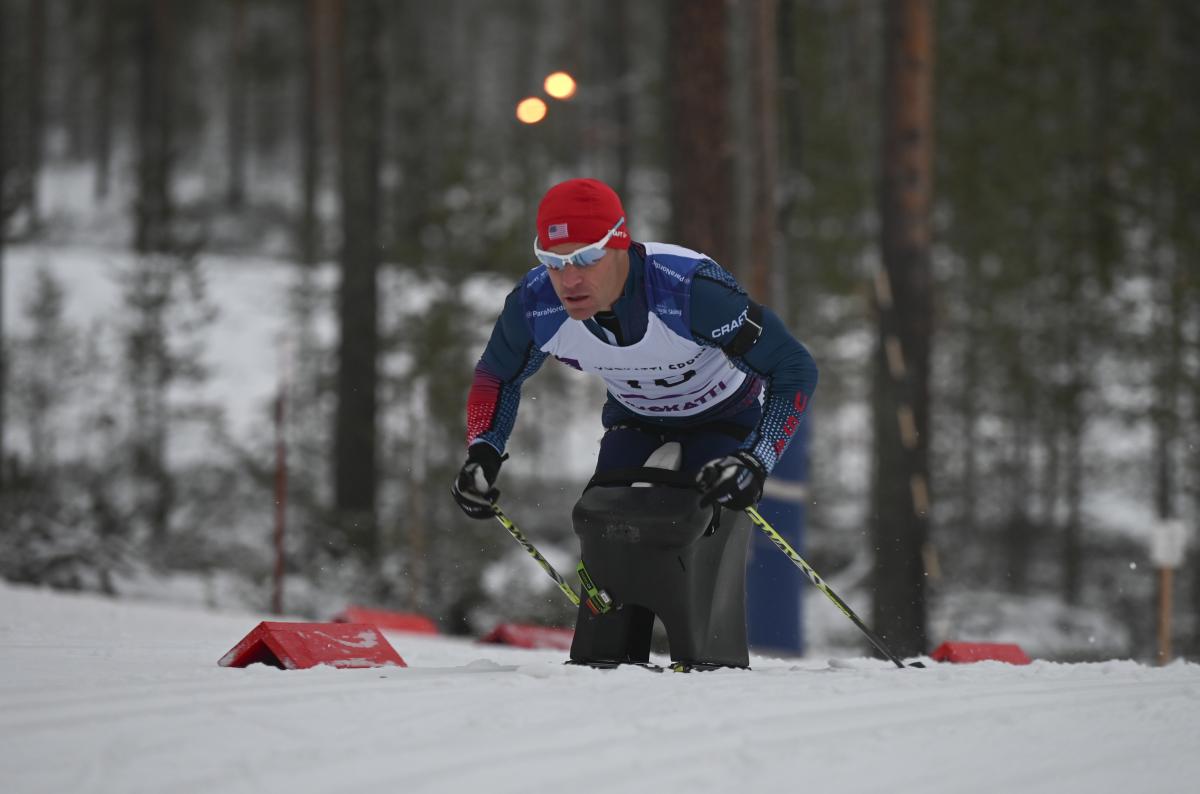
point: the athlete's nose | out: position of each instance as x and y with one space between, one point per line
572 276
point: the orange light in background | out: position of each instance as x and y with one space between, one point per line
560 85
531 110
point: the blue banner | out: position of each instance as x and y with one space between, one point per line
774 587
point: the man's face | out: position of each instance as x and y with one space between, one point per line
587 290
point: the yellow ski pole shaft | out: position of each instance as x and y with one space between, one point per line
787 549
519 537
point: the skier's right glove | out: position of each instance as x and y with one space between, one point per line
734 481
472 487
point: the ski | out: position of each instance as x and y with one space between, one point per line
598 665
674 667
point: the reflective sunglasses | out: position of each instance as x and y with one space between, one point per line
581 257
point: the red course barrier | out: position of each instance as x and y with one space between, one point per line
523 636
965 652
386 620
296 646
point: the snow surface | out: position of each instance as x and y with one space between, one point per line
113 696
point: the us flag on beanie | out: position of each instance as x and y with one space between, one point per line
581 211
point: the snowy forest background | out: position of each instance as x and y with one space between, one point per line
202 201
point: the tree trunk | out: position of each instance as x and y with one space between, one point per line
791 108
147 303
35 108
235 194
336 38
1102 255
619 65
310 132
362 104
420 147
1050 475
1166 412
104 99
1180 26
1072 548
699 129
901 488
417 515
3 239
153 208
1192 642
969 401
764 154
1019 535
78 29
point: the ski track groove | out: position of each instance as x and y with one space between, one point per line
134 702
321 758
186 686
406 752
499 759
507 767
137 702
785 733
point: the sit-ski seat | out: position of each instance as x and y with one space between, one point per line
658 553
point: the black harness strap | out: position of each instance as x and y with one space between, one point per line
640 474
748 334
732 429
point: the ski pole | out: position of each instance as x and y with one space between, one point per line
519 537
787 549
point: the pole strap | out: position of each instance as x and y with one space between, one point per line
598 600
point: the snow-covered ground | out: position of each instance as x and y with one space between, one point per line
113 696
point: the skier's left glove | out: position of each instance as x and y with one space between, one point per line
473 487
735 481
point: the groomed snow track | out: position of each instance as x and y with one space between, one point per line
104 696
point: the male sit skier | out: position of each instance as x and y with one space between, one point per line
684 352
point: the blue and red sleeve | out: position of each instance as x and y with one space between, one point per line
719 306
508 360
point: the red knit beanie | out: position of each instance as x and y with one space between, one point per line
580 211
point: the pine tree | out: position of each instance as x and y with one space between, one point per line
901 502
700 133
356 453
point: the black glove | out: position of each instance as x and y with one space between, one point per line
735 481
472 487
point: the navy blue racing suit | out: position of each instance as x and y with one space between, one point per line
685 353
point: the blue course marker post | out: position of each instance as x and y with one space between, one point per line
774 590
